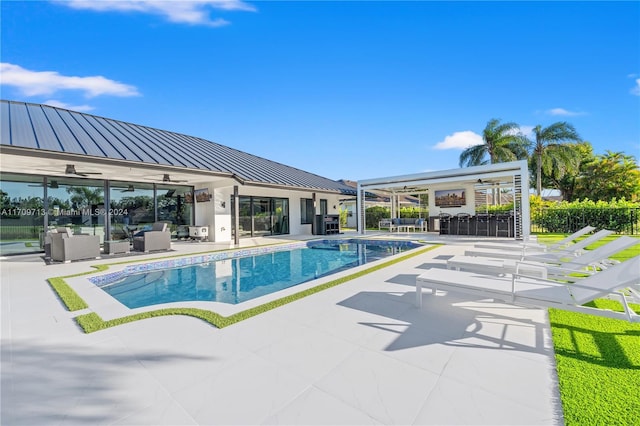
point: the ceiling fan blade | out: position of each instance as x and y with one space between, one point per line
167 179
71 170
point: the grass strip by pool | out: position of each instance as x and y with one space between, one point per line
92 322
597 360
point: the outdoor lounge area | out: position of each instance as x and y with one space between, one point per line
458 201
61 244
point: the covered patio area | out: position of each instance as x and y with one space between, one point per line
461 200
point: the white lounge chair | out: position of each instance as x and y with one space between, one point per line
613 281
587 263
541 256
531 245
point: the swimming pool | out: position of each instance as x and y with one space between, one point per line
246 276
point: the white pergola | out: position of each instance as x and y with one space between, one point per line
513 176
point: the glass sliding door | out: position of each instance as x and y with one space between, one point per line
132 208
280 216
262 220
324 209
261 216
244 213
175 206
22 214
77 204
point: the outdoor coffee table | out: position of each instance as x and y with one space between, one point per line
115 247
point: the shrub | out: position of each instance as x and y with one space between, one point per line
563 217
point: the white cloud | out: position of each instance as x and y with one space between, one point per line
563 112
194 12
34 83
526 130
59 104
636 89
460 140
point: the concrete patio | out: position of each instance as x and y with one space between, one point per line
359 353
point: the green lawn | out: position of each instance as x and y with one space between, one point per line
598 360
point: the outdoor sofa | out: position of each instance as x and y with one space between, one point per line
404 223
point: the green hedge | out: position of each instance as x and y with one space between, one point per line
620 216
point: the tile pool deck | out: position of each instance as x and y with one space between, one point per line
359 353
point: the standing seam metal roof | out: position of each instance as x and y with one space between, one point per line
48 128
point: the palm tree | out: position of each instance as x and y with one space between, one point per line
502 142
549 153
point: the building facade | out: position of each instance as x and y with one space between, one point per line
113 178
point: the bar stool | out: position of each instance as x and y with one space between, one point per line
445 223
463 219
503 224
482 221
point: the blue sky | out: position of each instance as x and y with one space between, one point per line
350 90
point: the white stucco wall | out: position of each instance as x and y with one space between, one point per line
218 217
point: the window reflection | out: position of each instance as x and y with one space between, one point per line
131 209
22 214
78 204
175 206
261 216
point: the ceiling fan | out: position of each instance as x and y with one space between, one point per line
129 188
71 170
166 178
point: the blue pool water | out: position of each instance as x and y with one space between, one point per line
239 279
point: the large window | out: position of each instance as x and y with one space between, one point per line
22 214
307 212
77 204
324 208
135 206
175 204
131 208
261 216
80 204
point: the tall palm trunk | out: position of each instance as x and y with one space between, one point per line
539 173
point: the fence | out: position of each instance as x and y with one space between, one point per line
620 220
17 232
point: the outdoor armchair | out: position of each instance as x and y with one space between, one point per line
65 246
158 238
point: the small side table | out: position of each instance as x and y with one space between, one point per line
115 247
